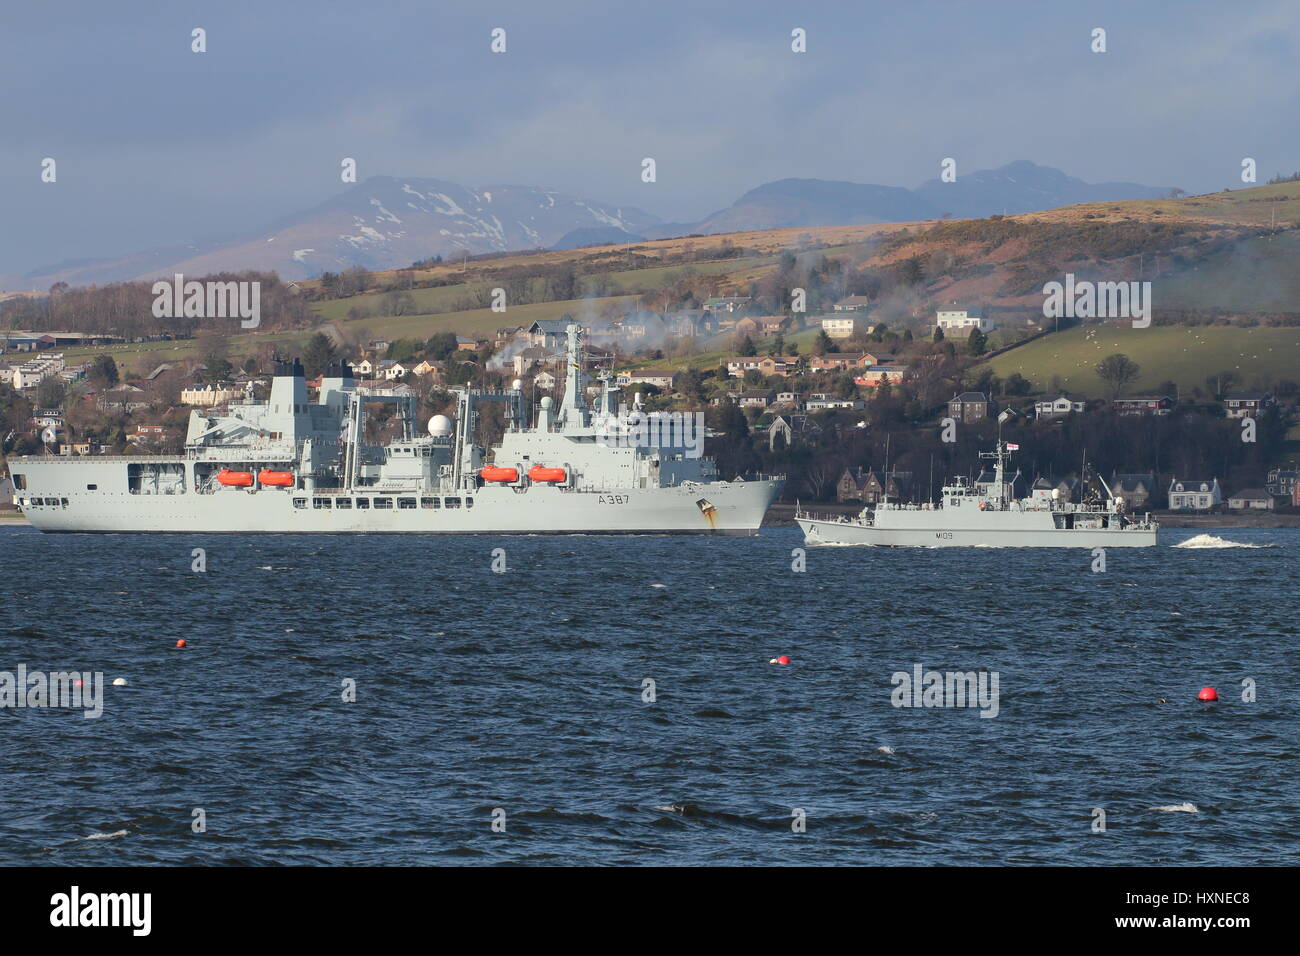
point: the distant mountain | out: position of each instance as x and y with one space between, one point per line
381 223
387 222
1017 187
1023 186
817 202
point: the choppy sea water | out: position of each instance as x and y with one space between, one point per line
523 691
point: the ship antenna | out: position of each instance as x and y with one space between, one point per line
885 484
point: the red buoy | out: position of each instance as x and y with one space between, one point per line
782 660
181 642
1208 693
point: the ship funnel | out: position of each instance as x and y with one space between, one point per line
288 388
335 382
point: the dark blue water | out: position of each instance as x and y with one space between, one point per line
523 691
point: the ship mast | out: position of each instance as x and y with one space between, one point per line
573 410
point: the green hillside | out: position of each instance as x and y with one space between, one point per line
1166 353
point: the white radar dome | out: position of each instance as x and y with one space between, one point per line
546 401
439 426
518 385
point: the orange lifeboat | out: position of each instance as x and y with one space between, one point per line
276 479
235 479
493 473
538 473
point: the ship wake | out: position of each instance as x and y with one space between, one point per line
1211 541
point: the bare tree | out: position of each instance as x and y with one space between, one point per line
1118 371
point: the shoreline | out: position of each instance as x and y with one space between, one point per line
781 515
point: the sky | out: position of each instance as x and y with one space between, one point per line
156 144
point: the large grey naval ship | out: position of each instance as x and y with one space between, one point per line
289 465
986 514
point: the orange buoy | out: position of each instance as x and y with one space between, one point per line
540 473
181 642
277 479
493 473
1208 693
235 479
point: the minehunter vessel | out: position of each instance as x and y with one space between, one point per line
987 515
291 466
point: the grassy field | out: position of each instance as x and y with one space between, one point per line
1165 353
625 282
135 357
1255 206
475 321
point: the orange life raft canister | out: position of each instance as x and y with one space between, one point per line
235 479
278 479
540 473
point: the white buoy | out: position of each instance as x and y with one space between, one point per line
119 682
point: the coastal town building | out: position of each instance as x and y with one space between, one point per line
664 378
205 396
756 398
971 407
1246 404
960 323
844 326
1282 483
875 375
1251 499
1135 490
1060 406
870 487
1194 494
1143 405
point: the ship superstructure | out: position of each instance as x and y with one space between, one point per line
292 465
987 514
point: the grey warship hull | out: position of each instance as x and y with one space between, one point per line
1005 534
986 514
293 466
65 505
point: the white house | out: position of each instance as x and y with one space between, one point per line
1194 494
206 396
1059 407
664 378
544 380
962 322
1252 499
843 326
